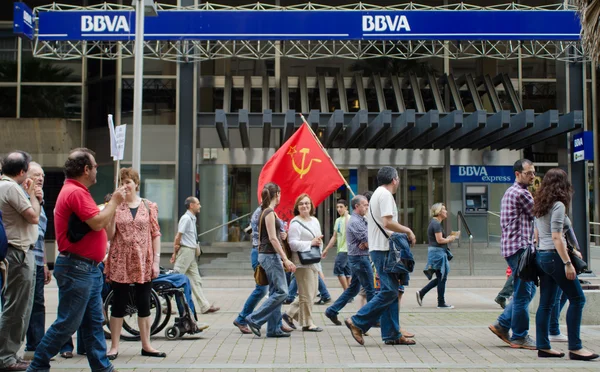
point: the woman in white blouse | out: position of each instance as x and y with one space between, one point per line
304 232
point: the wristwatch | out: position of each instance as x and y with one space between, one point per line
567 263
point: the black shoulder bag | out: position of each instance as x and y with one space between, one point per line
312 256
527 267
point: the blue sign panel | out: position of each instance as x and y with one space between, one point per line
23 20
312 25
481 173
583 146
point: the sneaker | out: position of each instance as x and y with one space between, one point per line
323 301
558 338
501 301
288 301
445 306
524 343
419 298
334 318
500 332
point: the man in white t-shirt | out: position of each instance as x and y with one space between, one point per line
382 215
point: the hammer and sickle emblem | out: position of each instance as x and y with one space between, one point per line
302 170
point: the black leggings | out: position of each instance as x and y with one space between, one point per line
121 298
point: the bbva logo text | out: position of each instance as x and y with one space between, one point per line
381 23
472 171
102 23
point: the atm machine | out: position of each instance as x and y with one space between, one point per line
475 208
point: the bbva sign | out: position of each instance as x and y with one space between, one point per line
104 23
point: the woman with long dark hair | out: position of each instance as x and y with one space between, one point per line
273 259
555 268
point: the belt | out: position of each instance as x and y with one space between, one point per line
77 257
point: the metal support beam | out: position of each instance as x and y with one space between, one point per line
400 127
360 90
425 124
266 99
285 94
267 122
518 123
227 91
290 123
222 130
304 106
377 129
510 91
313 120
355 128
448 124
471 124
398 93
379 92
566 123
543 122
322 93
490 89
334 127
448 81
247 93
496 122
435 92
243 125
472 88
341 87
416 90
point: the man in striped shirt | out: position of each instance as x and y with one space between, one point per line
516 220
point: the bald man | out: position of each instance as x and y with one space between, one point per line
21 212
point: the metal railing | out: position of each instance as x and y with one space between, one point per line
494 214
224 224
462 222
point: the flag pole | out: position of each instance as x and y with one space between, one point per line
326 153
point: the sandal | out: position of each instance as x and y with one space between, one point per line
401 341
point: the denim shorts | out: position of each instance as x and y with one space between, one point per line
340 267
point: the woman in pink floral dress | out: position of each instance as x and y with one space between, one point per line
133 258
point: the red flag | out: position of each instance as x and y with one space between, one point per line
301 165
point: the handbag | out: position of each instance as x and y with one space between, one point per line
312 256
449 254
260 276
579 264
527 267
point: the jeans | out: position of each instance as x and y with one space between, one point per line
37 321
561 300
257 294
384 306
362 275
508 288
516 314
68 346
18 301
270 311
552 276
293 289
440 282
79 306
340 266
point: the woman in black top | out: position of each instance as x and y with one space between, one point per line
273 259
437 256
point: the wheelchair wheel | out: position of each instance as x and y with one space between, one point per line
130 320
172 333
166 316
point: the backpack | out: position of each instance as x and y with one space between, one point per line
3 240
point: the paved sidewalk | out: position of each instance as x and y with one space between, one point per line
454 340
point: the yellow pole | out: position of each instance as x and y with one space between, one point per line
325 151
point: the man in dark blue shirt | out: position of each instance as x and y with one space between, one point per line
358 258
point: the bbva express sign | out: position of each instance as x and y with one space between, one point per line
481 173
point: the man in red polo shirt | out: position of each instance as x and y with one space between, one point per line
81 239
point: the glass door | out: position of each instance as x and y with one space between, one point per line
417 202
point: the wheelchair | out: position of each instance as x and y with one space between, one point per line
185 323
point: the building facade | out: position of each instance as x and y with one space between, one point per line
204 119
